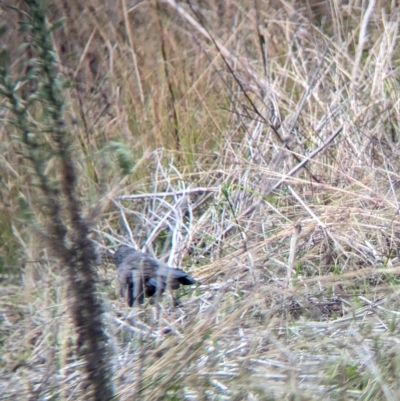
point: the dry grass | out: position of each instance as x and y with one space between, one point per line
213 159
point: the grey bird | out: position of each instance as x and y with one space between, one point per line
141 275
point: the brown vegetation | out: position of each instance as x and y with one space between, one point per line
253 142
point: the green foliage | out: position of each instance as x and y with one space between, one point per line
123 154
299 269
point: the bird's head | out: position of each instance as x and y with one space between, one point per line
122 253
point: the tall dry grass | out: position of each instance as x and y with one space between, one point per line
255 144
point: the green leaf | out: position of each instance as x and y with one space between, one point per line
32 73
57 24
123 154
18 10
25 26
